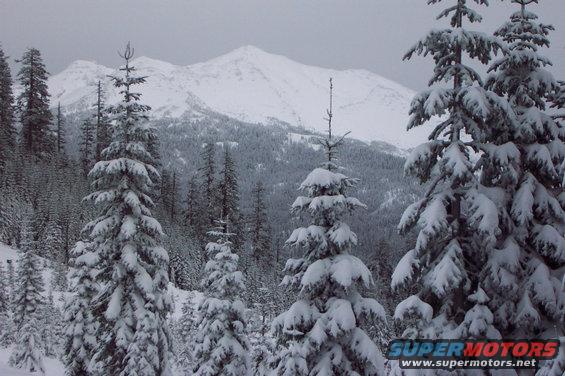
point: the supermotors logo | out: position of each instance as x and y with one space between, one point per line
487 353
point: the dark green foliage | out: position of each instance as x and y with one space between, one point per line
87 145
61 135
192 216
228 191
260 229
207 174
266 154
33 106
170 194
7 130
102 123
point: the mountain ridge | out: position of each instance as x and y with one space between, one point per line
251 85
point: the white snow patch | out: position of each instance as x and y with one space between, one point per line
53 367
306 139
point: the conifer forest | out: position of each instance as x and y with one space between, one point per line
255 216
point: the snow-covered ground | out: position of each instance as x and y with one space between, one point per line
53 366
252 85
7 254
304 139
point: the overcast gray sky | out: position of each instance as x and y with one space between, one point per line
369 34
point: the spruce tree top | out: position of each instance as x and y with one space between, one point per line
33 78
223 281
520 75
466 102
33 104
6 93
127 156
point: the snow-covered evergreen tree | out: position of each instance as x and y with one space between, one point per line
228 192
27 299
454 217
207 173
61 131
260 266
555 367
260 229
169 193
51 330
133 304
478 321
187 259
33 105
87 145
522 174
4 291
101 122
27 307
10 278
185 331
263 344
6 327
558 101
7 129
54 250
322 331
221 346
193 207
27 353
80 326
263 347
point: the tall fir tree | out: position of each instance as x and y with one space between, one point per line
207 172
55 251
174 197
27 308
6 325
4 291
260 229
522 174
454 217
81 328
60 130
101 123
228 191
133 304
261 268
87 145
10 276
558 101
169 193
221 346
322 332
7 129
185 330
193 207
33 105
51 327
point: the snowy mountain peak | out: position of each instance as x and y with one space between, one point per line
147 63
247 51
81 65
252 85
